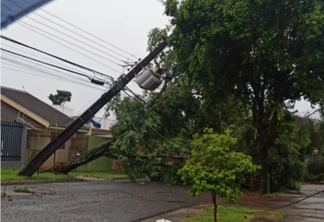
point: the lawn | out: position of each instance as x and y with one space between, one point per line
12 175
231 214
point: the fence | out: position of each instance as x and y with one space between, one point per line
100 164
73 147
13 144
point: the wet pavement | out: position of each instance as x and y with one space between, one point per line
308 210
120 201
125 201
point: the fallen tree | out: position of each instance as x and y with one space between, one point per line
103 149
99 151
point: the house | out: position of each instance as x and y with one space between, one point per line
29 124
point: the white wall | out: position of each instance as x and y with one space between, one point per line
66 111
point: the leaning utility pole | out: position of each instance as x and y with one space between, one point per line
48 150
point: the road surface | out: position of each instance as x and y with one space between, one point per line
119 201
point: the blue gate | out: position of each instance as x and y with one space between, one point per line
13 144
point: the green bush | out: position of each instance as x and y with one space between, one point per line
316 167
315 171
314 178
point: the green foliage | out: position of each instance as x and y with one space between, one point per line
286 166
145 141
60 98
220 60
225 215
8 175
315 170
213 167
227 50
316 167
233 214
227 41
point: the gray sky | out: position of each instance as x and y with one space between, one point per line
124 23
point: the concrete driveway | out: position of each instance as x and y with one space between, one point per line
93 201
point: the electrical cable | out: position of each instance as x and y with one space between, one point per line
55 77
72 63
36 55
51 76
88 33
40 69
64 40
45 63
103 64
86 105
101 45
162 2
135 128
139 112
280 207
56 57
64 60
75 39
28 66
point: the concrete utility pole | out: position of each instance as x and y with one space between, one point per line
48 150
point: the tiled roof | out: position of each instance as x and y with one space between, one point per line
34 105
9 114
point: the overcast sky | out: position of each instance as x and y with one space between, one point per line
123 23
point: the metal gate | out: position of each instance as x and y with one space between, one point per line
13 144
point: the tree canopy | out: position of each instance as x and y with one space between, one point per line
213 82
60 98
213 167
269 52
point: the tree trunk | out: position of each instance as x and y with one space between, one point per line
266 140
263 183
103 150
100 150
215 205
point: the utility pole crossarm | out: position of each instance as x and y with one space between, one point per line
48 150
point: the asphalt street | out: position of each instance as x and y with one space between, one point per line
120 201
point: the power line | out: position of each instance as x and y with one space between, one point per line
26 57
162 2
33 54
13 60
53 76
50 75
139 112
45 63
41 69
109 67
18 5
32 67
88 33
56 57
30 73
76 39
277 208
26 65
80 35
64 60
71 43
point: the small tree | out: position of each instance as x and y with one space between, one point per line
60 98
213 167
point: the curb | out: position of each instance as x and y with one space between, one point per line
169 211
26 182
39 182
